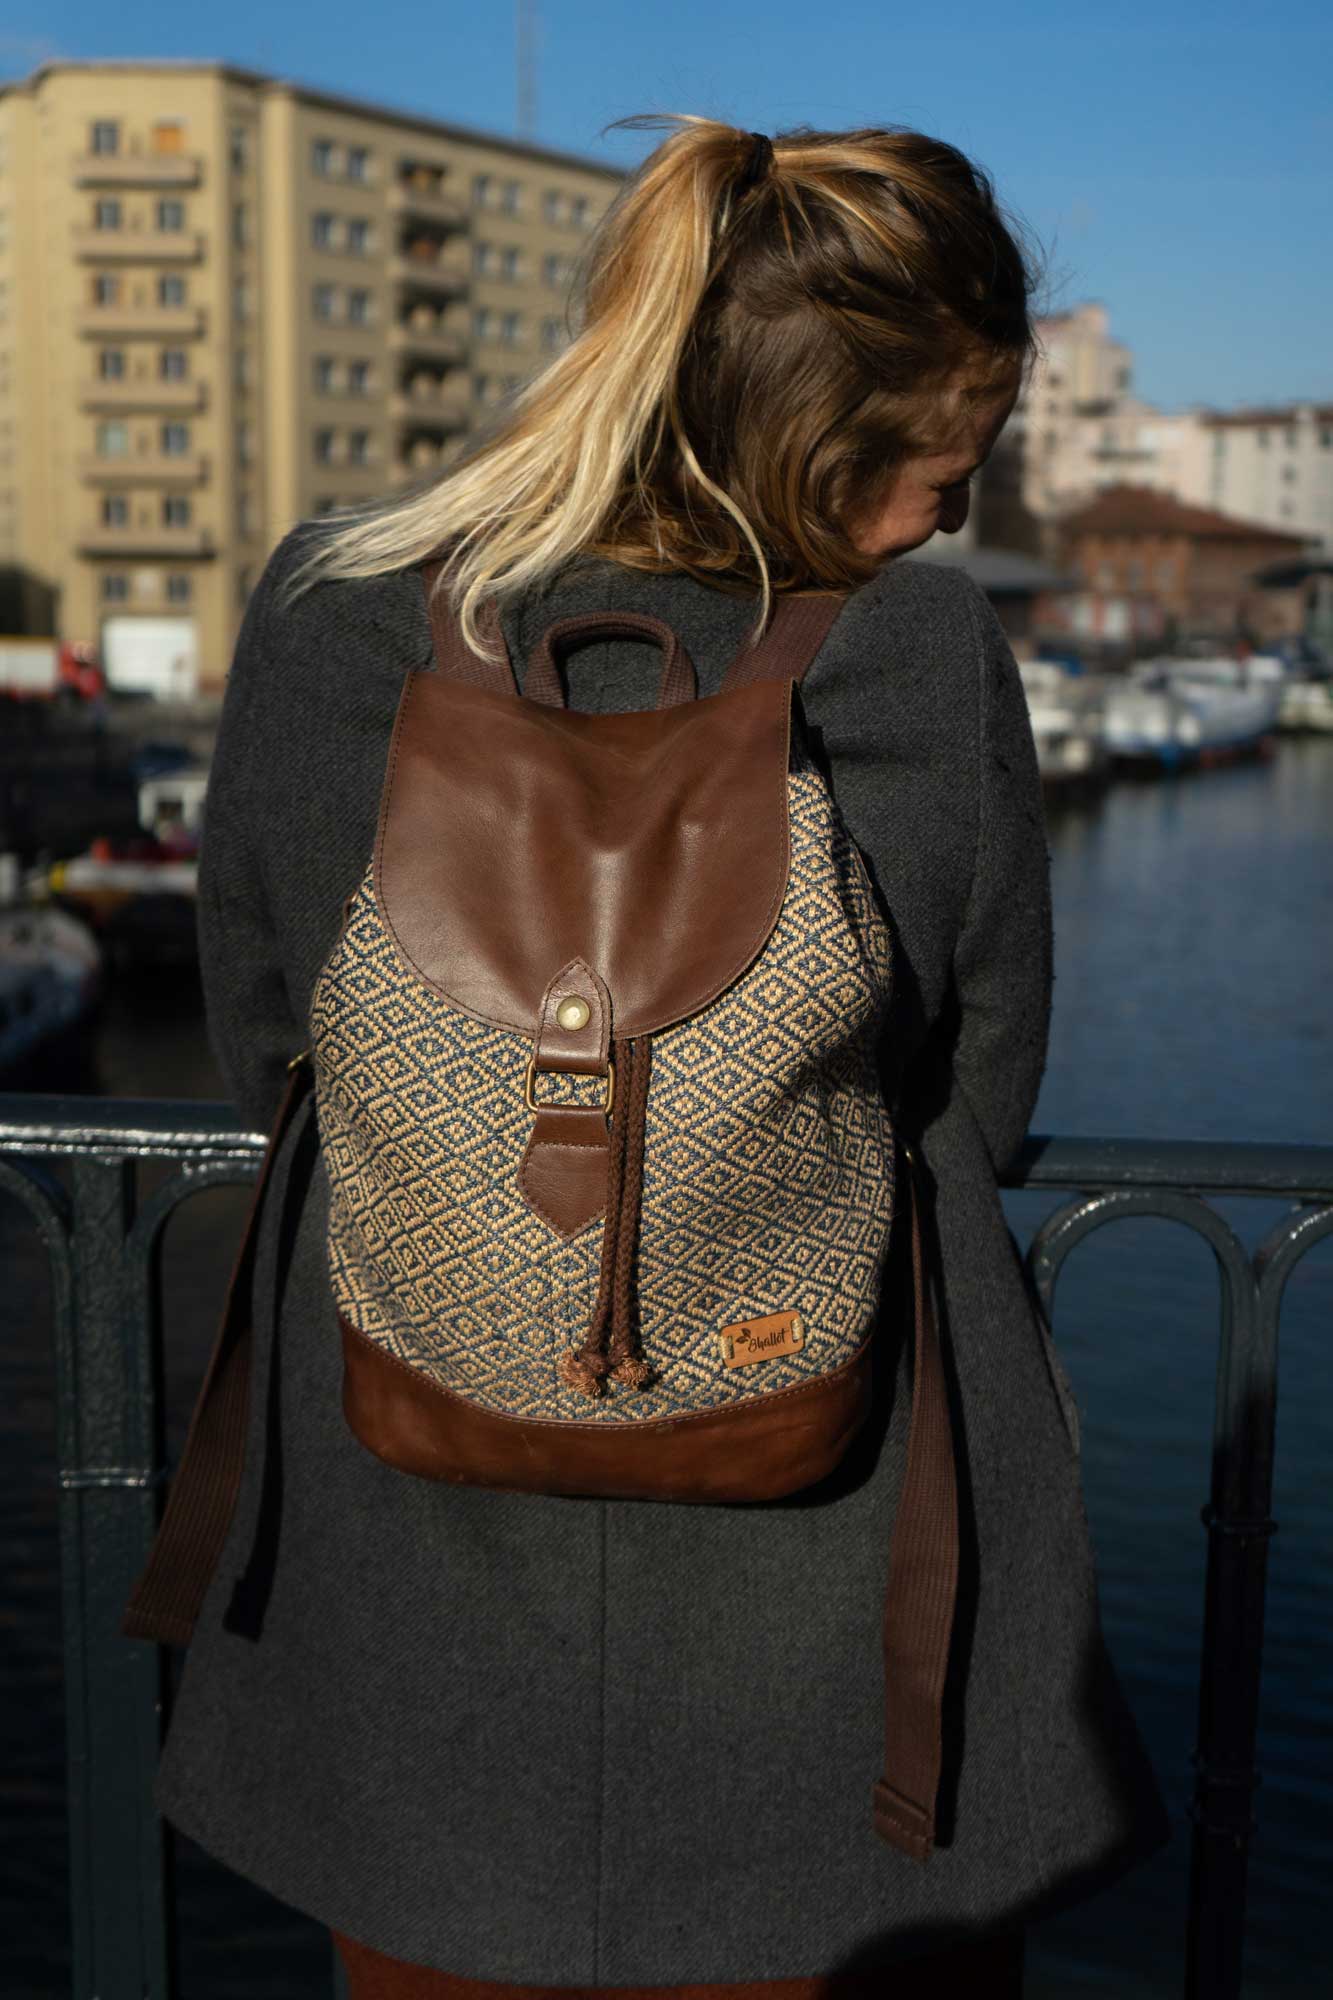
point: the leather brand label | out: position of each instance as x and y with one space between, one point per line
762 1339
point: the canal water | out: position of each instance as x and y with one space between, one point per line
1194 961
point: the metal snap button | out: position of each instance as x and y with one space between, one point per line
573 1014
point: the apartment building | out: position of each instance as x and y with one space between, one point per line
1079 431
228 303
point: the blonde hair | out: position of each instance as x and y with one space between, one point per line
757 356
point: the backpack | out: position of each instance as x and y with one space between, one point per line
612 1179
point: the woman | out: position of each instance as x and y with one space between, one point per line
593 1744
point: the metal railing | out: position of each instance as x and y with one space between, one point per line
103 1243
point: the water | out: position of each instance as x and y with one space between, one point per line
1193 962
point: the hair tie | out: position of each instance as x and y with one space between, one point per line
757 162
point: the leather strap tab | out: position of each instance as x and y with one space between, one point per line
564 1173
165 1602
571 1044
798 629
566 1163
922 1585
679 682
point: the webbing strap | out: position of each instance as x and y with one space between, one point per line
798 629
166 1600
922 1585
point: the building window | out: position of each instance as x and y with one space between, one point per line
359 308
168 136
511 328
324 447
580 211
245 513
321 157
358 378
322 226
170 213
179 587
105 137
1326 440
553 334
1291 440
171 289
1261 439
244 585
1219 442
106 290
245 443
484 259
1106 576
358 236
115 510
510 262
324 367
485 323
1134 573
175 511
358 447
1166 576
324 299
555 268
115 586
111 364
241 298
240 225
358 163
113 440
175 440
173 364
511 200
483 190
242 371
240 149
106 213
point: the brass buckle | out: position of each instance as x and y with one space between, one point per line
531 1077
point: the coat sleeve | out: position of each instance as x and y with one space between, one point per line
251 1024
991 1039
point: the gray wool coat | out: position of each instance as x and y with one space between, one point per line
574 1741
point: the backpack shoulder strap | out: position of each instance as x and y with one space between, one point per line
798 629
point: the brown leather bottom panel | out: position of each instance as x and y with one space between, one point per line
755 1450
991 1970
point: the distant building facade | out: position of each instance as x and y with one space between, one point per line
1079 429
1153 568
228 303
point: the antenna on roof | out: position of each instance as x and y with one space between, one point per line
526 37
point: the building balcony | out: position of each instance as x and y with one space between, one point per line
444 277
150 170
429 339
143 393
127 322
142 540
432 204
139 246
427 410
187 468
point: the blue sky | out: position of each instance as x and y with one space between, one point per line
1174 162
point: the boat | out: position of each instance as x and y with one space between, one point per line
1068 715
1174 711
50 984
1307 684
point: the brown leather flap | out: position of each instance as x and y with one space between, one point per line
516 837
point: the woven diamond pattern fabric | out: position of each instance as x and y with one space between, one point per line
768 1180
